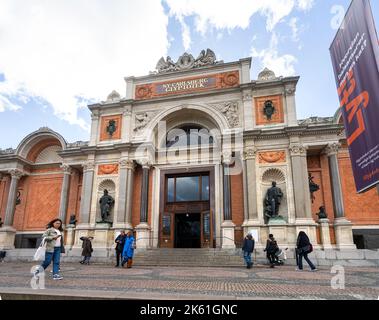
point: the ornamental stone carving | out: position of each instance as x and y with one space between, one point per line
272 157
66 169
145 163
332 149
186 62
298 150
266 75
230 112
16 173
290 91
106 169
227 157
250 153
113 96
316 121
142 119
88 166
127 164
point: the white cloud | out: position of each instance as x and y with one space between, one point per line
186 34
282 65
295 30
226 14
67 52
305 5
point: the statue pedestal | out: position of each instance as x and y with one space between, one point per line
227 228
344 234
325 234
278 220
7 237
143 236
103 236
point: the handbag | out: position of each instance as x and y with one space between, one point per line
307 249
41 251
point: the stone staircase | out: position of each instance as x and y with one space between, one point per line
196 257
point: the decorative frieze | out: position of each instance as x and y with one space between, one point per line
106 169
269 157
226 157
230 111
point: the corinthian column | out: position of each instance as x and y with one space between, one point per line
298 154
227 226
12 196
143 229
87 186
64 192
125 193
342 226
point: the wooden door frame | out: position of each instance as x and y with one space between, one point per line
162 195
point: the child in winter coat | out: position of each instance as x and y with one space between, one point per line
87 249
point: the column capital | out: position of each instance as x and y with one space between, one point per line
145 163
227 157
88 166
332 149
298 150
249 153
127 164
66 168
289 90
16 173
247 96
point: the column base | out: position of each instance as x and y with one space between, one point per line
344 233
253 227
325 234
70 236
143 236
7 237
227 228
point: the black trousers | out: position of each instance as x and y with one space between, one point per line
118 257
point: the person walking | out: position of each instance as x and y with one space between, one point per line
54 247
248 248
271 248
303 248
128 252
87 249
120 242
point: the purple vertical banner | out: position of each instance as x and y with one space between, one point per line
355 57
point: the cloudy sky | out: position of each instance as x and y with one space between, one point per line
56 56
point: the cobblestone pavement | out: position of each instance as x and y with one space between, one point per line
260 282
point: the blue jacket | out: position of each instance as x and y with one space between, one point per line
129 247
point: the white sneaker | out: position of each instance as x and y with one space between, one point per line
315 269
57 277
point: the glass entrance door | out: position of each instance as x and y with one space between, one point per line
186 220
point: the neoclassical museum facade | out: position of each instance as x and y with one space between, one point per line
188 153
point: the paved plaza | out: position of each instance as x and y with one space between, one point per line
261 282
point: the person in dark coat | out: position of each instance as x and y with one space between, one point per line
248 248
87 249
128 252
271 248
303 248
120 242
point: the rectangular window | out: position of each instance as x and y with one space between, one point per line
205 188
187 189
170 189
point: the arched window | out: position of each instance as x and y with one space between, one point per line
188 135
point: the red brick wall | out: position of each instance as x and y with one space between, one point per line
136 204
363 208
236 184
